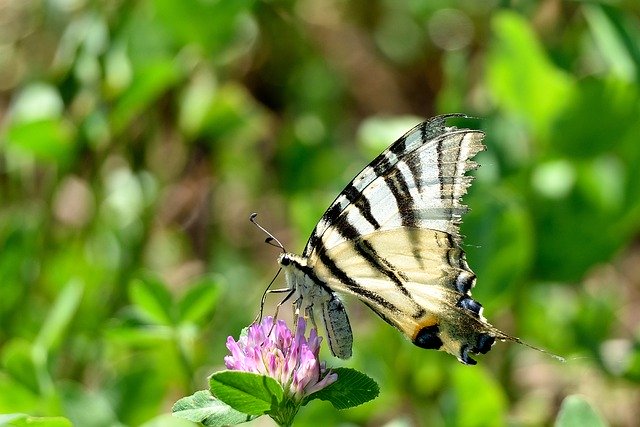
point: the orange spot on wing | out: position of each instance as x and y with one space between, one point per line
425 322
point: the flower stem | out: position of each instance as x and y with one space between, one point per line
286 412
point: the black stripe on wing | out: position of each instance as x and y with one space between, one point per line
364 293
366 251
362 203
415 166
397 184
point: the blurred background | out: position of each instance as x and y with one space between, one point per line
137 136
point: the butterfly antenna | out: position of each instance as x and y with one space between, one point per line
271 240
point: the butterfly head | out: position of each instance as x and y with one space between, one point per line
295 269
291 260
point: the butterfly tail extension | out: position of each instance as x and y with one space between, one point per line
505 337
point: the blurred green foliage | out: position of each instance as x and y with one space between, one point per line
137 137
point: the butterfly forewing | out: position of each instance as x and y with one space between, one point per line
391 238
427 158
421 188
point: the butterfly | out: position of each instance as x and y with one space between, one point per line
391 239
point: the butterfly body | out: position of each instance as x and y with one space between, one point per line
312 293
391 239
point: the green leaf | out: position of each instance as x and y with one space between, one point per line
246 392
139 336
615 44
213 25
148 84
153 299
198 302
37 124
520 75
599 118
87 406
17 360
49 140
19 420
59 317
575 411
202 407
352 388
17 396
168 420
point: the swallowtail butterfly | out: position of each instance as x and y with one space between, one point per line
391 238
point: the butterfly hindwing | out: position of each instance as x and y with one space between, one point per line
431 289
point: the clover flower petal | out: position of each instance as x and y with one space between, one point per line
273 350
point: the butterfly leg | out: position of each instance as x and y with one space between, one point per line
264 299
290 291
309 314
